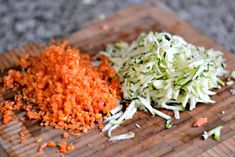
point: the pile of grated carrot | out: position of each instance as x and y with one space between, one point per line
62 88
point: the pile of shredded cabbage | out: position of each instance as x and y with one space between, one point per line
163 71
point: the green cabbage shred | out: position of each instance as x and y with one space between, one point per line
163 71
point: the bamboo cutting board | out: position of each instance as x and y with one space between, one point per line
152 139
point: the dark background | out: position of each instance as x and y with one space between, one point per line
23 21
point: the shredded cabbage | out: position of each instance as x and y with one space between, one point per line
126 136
233 74
215 132
163 71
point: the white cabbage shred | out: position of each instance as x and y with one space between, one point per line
233 74
163 71
215 132
126 136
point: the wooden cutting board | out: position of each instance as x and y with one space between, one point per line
152 139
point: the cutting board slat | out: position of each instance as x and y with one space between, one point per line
152 139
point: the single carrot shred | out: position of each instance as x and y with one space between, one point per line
44 145
63 147
200 121
62 88
51 144
100 126
65 135
70 147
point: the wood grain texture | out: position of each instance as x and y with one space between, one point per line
152 139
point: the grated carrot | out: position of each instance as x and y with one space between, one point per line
51 144
70 147
44 145
100 126
200 121
65 135
62 88
63 147
6 109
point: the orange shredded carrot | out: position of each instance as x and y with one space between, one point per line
62 88
70 147
44 145
51 144
63 147
65 135
200 121
100 126
6 109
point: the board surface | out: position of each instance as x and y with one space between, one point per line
152 139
